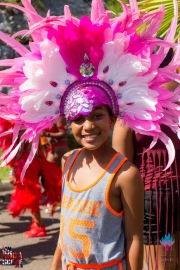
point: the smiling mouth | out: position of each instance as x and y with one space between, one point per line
91 136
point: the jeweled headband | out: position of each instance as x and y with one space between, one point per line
82 97
74 65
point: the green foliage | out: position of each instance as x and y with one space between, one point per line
38 4
18 2
114 6
4 173
153 5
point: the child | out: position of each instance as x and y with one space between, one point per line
97 212
92 71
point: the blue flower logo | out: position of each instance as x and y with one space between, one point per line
167 242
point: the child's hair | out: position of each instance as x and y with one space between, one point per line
110 111
169 56
167 60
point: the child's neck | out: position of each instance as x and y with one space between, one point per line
103 152
90 163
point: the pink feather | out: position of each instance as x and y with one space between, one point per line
67 13
97 10
172 30
18 47
6 62
11 155
155 23
31 156
134 6
170 148
20 33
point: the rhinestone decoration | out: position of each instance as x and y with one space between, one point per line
121 114
67 82
54 84
119 96
87 69
106 69
122 83
58 96
49 103
110 82
79 102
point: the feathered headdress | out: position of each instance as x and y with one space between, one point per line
73 66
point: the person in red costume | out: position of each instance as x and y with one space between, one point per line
27 194
52 148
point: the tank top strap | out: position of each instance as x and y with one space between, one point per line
115 164
69 161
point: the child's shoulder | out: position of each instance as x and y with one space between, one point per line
129 176
66 156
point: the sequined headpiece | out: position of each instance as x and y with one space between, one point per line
73 66
81 97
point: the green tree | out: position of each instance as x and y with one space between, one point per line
114 6
38 4
153 5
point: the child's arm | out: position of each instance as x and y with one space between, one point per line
122 140
57 135
133 205
57 262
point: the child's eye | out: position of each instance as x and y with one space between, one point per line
98 115
78 120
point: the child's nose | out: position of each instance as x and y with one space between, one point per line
88 125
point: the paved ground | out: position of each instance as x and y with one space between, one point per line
37 252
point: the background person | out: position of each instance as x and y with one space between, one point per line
27 193
52 147
161 188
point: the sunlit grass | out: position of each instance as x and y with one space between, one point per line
4 173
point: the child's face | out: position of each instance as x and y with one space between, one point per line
93 130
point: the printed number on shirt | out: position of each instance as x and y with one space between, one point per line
83 225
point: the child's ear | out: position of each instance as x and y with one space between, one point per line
113 119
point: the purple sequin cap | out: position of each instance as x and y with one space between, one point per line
83 96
